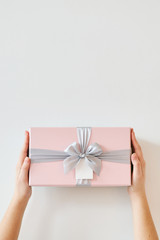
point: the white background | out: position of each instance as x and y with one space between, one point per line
79 63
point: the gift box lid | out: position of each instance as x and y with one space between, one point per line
51 173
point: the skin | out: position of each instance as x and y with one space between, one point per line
11 222
144 228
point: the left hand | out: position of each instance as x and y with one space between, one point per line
23 191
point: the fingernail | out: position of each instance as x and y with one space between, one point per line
26 160
135 157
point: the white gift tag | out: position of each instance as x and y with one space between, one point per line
83 171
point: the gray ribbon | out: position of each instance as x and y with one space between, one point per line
73 154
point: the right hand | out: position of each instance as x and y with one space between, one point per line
138 176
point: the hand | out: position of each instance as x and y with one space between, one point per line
11 222
144 227
23 191
138 176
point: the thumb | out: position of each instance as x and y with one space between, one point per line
25 169
137 169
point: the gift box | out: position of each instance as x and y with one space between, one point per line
82 156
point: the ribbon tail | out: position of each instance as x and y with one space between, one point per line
70 162
94 163
83 182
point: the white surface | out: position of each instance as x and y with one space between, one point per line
79 63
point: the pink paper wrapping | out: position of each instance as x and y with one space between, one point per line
52 173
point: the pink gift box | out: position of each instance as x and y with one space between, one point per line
59 138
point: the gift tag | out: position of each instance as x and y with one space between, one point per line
83 171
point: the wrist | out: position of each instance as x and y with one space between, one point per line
20 202
140 195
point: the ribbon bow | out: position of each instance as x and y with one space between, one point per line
80 151
90 156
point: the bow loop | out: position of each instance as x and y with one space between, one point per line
94 149
73 149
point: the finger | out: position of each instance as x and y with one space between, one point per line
24 150
24 170
137 169
138 151
136 146
26 144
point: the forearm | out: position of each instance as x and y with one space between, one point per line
11 222
144 228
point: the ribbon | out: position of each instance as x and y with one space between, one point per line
75 152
